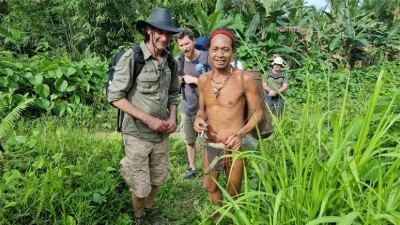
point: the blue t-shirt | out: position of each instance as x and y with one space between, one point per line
190 92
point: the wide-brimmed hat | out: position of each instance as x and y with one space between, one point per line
278 60
160 18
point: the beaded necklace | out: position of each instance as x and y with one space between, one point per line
217 86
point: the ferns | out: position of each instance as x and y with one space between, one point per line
6 123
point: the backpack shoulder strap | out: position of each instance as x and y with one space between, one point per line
181 63
139 60
172 63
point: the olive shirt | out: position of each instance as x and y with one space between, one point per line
153 91
276 80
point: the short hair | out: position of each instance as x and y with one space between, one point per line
185 32
226 32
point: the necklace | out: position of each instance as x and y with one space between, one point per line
217 86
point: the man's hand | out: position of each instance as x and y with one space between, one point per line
233 142
181 80
156 124
272 93
200 125
190 79
171 125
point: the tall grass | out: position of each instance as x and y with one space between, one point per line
65 170
325 166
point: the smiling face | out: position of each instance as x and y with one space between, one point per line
186 45
159 38
221 51
276 67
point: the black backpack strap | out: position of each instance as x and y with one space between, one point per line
181 64
139 60
172 64
138 67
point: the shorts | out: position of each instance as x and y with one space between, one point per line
224 164
145 164
189 133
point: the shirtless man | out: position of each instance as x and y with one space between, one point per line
223 93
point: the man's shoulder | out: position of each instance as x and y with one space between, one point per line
206 75
245 74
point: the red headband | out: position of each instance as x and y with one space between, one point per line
225 32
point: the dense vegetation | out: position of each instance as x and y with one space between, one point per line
334 156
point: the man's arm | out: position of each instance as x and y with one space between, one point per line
254 104
201 116
120 87
127 107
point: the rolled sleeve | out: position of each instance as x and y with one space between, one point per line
123 75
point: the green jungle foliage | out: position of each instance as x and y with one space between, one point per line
334 156
327 162
58 85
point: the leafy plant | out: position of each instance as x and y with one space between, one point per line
341 169
58 85
9 117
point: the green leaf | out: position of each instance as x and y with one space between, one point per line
323 220
349 218
76 99
97 198
61 84
252 26
38 164
19 65
334 42
36 80
9 71
3 82
70 71
43 90
59 72
9 204
52 73
71 88
43 103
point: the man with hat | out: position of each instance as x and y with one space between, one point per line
276 85
150 104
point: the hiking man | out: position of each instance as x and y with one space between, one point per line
150 104
223 95
189 58
278 83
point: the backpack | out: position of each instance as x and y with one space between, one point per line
139 64
201 43
265 125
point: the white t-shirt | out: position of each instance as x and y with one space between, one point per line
237 64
